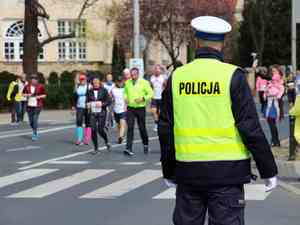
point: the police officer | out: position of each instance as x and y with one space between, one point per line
208 129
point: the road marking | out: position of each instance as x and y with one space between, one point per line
158 164
23 176
170 193
60 184
24 162
40 132
69 162
75 155
132 163
289 187
256 192
27 148
253 192
124 186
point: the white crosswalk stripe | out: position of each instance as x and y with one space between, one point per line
23 176
60 184
253 192
113 190
124 186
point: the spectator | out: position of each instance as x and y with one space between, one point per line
274 110
16 99
261 87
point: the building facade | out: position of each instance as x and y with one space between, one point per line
90 50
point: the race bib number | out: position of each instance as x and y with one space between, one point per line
32 102
95 108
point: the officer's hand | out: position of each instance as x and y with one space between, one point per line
271 184
170 183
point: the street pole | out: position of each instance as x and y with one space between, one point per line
292 144
294 37
136 28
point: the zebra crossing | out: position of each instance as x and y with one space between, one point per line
114 190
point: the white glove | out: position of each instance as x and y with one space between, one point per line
271 184
170 183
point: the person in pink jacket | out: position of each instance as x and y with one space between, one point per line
261 88
273 95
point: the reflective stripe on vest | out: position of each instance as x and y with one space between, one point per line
204 126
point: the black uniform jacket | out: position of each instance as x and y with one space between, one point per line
218 172
103 96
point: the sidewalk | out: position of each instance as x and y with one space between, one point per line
287 169
58 116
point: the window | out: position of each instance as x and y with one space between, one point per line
70 26
61 50
82 50
13 43
61 27
74 49
9 50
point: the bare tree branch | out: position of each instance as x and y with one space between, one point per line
40 10
55 38
86 4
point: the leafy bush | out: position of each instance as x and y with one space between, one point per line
41 78
67 86
53 79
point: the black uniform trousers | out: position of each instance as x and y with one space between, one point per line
97 122
225 205
140 115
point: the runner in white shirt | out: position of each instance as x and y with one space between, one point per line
119 107
158 82
109 85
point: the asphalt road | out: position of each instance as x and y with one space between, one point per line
54 182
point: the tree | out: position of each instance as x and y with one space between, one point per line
162 20
32 46
266 29
118 60
169 21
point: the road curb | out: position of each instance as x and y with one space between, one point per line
289 188
288 169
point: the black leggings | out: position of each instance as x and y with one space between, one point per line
82 114
98 126
274 131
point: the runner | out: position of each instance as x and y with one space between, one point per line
97 101
126 74
82 136
138 93
109 85
158 82
35 93
119 107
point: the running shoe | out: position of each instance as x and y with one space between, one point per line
146 149
128 152
120 140
108 147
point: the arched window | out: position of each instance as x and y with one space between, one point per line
13 42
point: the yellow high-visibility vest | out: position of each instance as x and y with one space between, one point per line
204 126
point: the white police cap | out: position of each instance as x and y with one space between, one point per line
211 28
